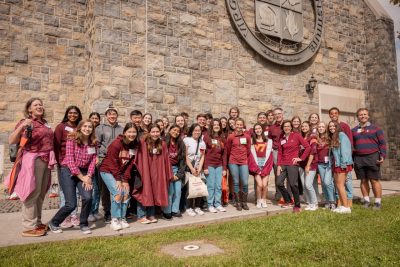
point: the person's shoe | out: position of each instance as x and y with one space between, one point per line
377 206
285 205
91 218
115 225
124 224
332 206
55 229
212 209
86 230
327 205
191 212
313 207
337 209
167 216
152 219
144 220
75 220
264 203
281 201
296 209
176 214
107 219
243 200
67 223
224 204
366 204
33 233
220 208
97 216
258 206
42 226
344 210
199 211
308 207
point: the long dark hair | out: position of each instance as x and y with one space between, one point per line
153 143
191 129
226 129
254 135
65 119
334 137
178 140
184 129
211 131
78 137
126 128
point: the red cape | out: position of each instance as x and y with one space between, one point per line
156 172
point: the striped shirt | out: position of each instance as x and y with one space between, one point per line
368 140
79 156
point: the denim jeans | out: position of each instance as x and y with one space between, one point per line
174 194
240 172
143 211
61 193
69 184
118 208
308 185
328 187
214 186
96 193
349 186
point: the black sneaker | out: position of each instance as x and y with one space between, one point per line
167 216
377 206
366 204
176 214
107 219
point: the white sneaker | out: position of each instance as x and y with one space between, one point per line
98 216
345 210
259 204
264 203
221 209
115 225
212 209
191 212
124 224
313 207
91 218
199 211
338 209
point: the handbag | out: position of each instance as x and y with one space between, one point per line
13 152
197 187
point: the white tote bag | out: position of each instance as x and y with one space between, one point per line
197 188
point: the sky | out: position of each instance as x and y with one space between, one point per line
394 12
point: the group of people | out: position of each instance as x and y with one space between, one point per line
142 168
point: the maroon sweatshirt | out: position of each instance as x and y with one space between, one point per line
60 140
117 158
237 149
214 156
289 149
274 133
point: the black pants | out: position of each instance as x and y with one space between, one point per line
69 184
292 175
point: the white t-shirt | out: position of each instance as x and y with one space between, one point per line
191 145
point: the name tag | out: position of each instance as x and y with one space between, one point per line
48 126
266 133
155 151
283 142
132 152
91 150
68 129
214 141
243 141
326 159
359 130
301 147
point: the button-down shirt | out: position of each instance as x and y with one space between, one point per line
42 137
79 156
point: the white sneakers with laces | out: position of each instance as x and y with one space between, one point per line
115 224
191 212
199 211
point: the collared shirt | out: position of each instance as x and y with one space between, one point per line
42 136
289 148
237 149
79 156
368 140
274 133
60 139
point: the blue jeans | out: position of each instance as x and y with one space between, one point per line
349 186
214 186
96 193
118 208
61 193
174 194
143 211
240 172
308 185
328 187
69 184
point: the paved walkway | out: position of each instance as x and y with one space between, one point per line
11 228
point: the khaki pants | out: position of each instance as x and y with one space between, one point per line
32 206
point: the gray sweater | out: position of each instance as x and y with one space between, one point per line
105 134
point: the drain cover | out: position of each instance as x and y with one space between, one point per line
191 247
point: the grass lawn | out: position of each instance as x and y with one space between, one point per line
364 238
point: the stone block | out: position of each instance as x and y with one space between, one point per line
122 25
139 26
188 19
4 9
155 96
110 36
169 99
51 21
136 86
109 91
3 105
31 84
225 91
121 71
19 53
157 18
176 79
155 62
112 9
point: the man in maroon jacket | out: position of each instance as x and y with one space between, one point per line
334 115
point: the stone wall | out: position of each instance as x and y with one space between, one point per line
167 56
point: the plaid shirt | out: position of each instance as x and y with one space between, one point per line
77 156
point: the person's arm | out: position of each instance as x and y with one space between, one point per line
201 163
182 161
70 159
92 165
189 162
100 139
227 151
345 150
381 144
15 136
58 134
306 146
313 153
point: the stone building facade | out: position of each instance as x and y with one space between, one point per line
168 56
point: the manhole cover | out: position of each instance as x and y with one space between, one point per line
191 248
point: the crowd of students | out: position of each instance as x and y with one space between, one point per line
141 169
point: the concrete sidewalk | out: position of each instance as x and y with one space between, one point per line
11 228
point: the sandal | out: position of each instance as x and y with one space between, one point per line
144 220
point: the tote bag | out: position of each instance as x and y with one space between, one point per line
197 188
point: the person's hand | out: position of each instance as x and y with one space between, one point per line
87 187
223 173
175 178
26 123
125 187
195 172
307 169
119 186
206 171
296 160
380 161
278 170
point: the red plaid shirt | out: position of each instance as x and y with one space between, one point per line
79 156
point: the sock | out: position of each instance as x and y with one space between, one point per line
378 200
366 199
